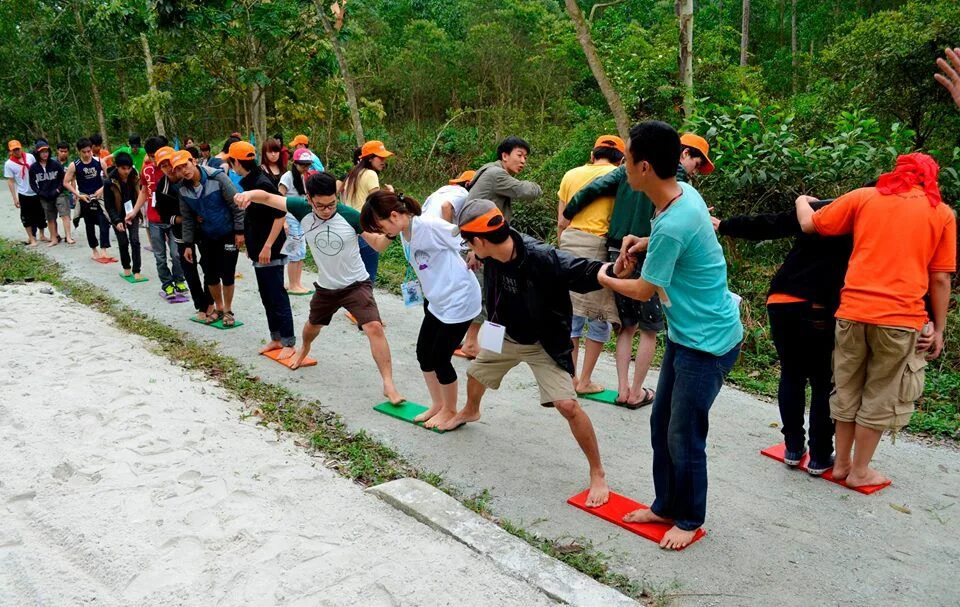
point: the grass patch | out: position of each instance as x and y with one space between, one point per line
354 455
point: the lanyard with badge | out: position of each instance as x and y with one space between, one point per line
410 288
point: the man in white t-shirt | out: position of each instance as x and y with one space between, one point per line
446 202
17 172
333 233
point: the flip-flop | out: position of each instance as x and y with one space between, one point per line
648 397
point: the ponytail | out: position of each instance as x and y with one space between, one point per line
381 203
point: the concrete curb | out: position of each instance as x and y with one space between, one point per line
558 581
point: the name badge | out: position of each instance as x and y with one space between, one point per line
492 336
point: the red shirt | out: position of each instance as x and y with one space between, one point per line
148 176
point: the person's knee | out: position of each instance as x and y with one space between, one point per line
568 408
446 374
374 329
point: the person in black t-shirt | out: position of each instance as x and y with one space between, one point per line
263 231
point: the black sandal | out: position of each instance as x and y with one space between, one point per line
648 398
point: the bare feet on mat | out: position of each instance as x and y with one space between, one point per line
429 413
298 291
273 345
841 470
871 477
390 391
677 538
286 352
461 418
591 388
645 515
138 276
127 273
442 417
599 492
298 359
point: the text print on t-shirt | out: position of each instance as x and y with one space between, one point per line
327 242
90 172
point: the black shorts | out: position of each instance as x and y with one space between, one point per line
31 212
645 315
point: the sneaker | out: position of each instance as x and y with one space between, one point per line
818 467
168 291
181 287
793 458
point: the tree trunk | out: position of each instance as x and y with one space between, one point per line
793 43
685 14
154 93
745 33
599 74
348 83
94 89
258 114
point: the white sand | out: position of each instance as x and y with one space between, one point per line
125 480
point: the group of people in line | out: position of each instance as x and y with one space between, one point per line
856 310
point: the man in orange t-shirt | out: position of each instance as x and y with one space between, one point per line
904 247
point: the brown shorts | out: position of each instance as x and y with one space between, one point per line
877 375
357 299
555 384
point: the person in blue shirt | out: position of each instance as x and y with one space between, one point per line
685 266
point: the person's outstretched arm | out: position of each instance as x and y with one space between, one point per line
605 185
511 187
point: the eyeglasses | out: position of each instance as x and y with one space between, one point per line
324 207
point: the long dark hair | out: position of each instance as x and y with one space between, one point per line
366 163
299 183
381 203
270 145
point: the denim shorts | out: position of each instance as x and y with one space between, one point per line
597 330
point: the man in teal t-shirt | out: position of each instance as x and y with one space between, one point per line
135 150
685 266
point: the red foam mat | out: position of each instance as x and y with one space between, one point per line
776 452
615 509
286 362
106 260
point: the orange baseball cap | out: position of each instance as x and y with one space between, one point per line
181 158
464 177
611 141
700 144
242 150
300 140
164 154
375 148
14 145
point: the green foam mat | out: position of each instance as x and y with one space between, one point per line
607 396
218 324
299 294
405 411
133 280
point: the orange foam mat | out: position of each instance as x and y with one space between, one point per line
615 509
776 452
286 362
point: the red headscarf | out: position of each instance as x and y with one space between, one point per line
912 170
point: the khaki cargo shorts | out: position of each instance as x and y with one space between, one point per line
555 384
877 375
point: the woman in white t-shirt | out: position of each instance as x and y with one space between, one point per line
451 291
292 183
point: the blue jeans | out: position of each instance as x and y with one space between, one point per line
161 237
276 303
371 259
597 330
689 383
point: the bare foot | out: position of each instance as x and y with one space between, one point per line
871 477
392 395
645 515
127 272
32 243
433 410
461 418
442 417
273 345
71 241
677 539
298 359
286 352
590 388
599 492
298 290
43 238
138 276
840 470
53 243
